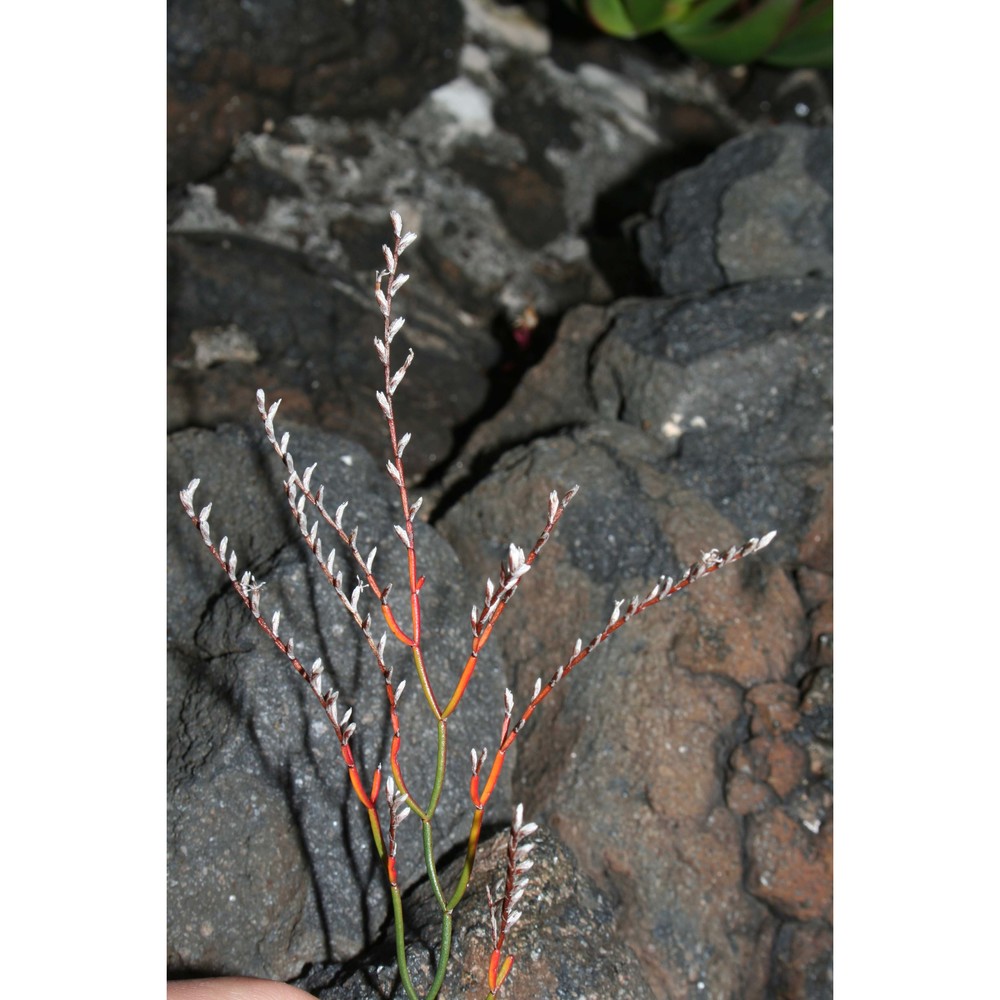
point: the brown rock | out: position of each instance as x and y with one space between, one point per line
774 708
747 633
786 765
814 587
745 795
624 760
778 762
804 962
818 694
816 547
821 635
790 868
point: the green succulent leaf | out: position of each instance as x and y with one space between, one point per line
748 38
611 17
651 15
697 15
782 32
810 43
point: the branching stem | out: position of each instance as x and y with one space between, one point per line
399 800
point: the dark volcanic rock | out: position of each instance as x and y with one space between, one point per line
760 206
804 962
269 854
739 384
685 769
231 66
304 323
624 760
568 942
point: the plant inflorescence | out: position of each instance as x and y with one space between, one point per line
388 800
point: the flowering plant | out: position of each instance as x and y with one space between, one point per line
387 799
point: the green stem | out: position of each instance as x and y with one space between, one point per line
442 966
439 766
432 874
470 860
397 917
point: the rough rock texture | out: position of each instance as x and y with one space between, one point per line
232 66
265 837
627 768
246 315
743 373
762 206
516 167
568 943
684 772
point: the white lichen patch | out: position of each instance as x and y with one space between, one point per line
217 344
469 106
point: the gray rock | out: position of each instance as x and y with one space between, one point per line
270 862
759 207
500 169
231 66
553 395
516 157
739 385
567 944
624 759
309 326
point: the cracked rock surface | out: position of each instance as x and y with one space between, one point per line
623 280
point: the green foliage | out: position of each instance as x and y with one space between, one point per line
780 32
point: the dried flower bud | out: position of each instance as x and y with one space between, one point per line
187 496
518 817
